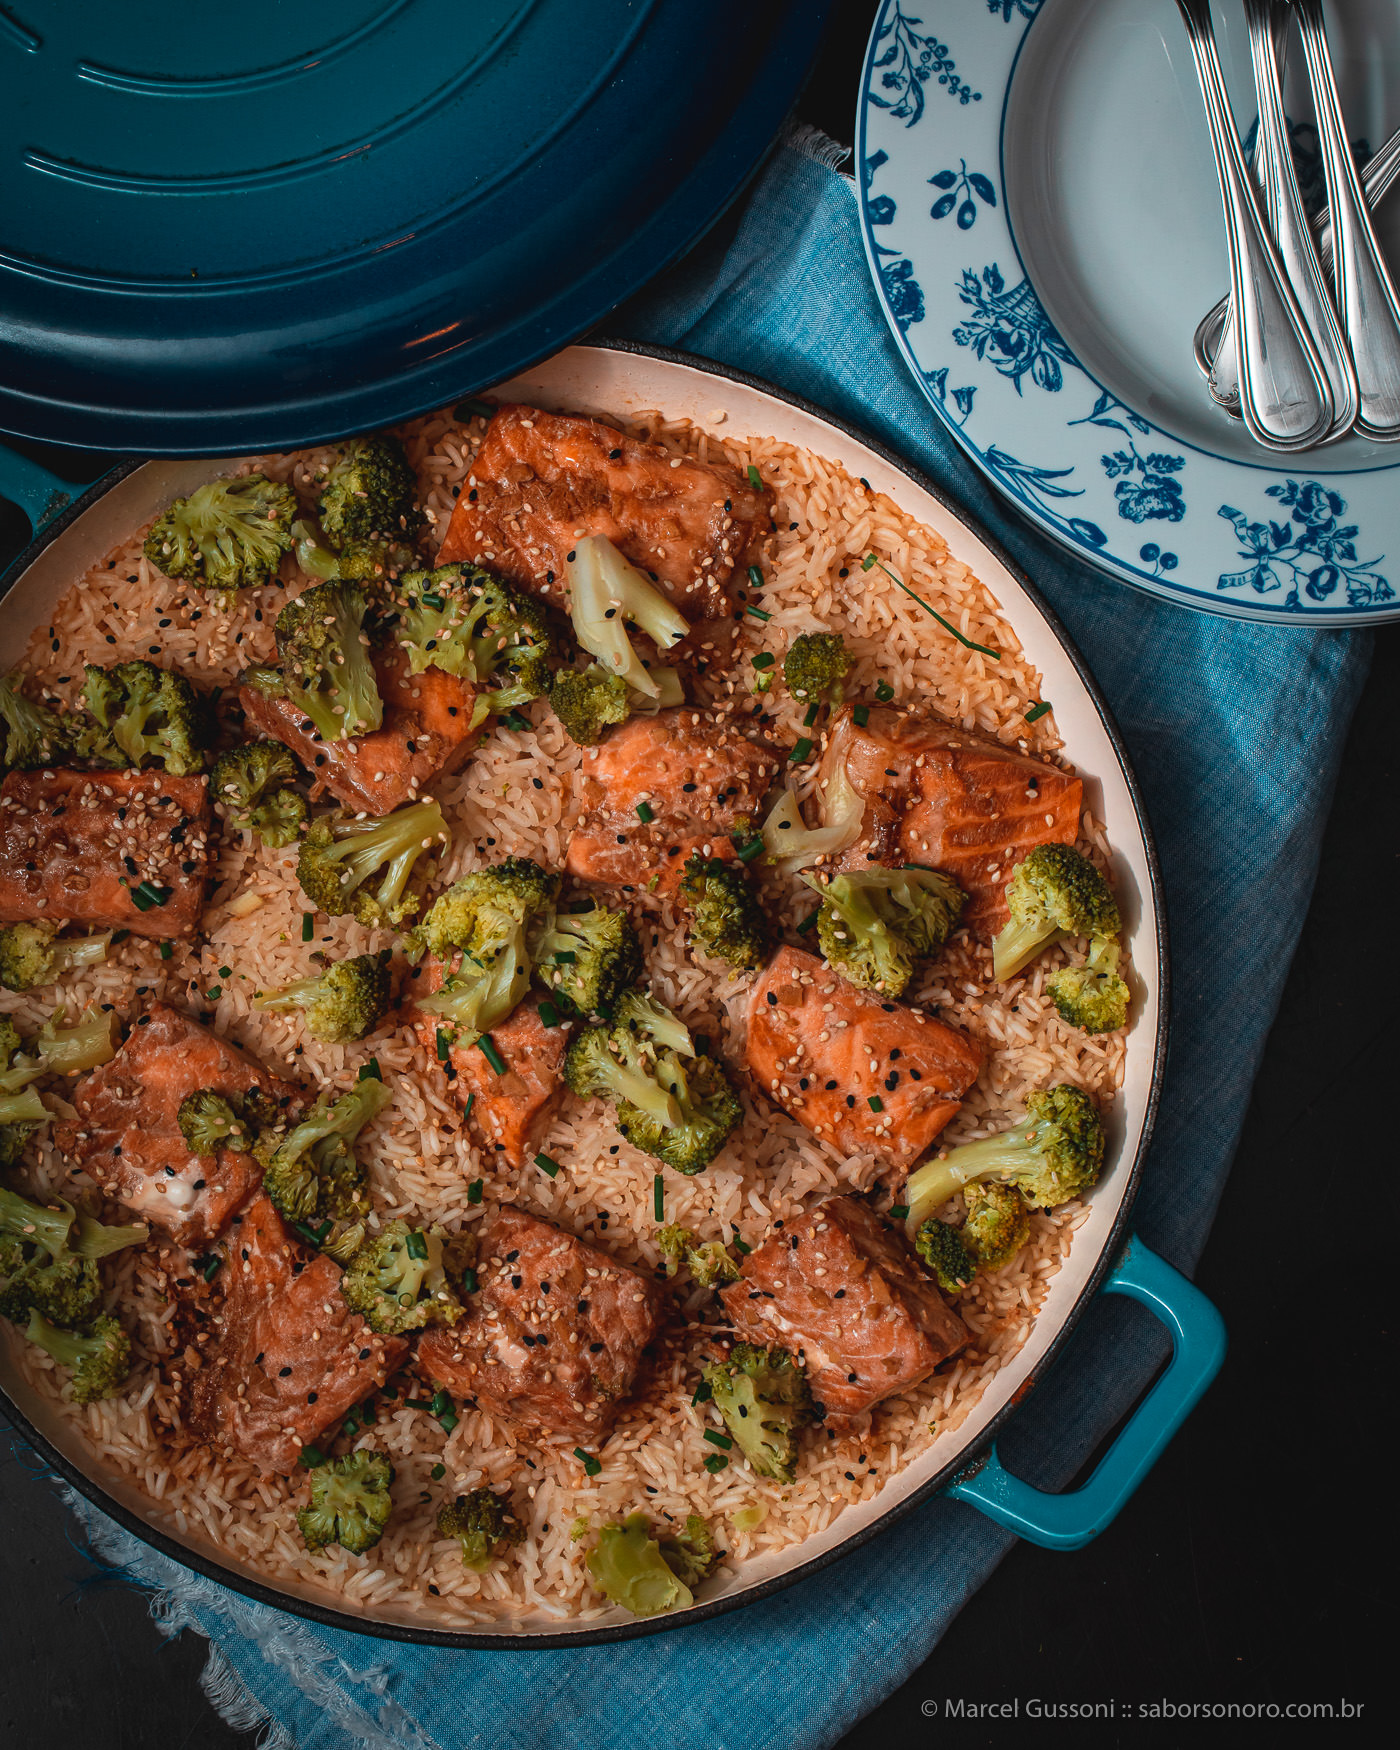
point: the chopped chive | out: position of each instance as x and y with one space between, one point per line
441 1404
715 1463
119 936
444 1045
476 1191
310 1456
764 659
875 1103
467 1112
739 1245
1037 711
472 409
148 893
350 1427
810 717
305 1232
547 1165
415 1244
899 1212
884 692
225 972
448 1421
755 479
515 721
438 1472
715 1438
209 1267
166 950
214 992
565 957
947 625
801 748
658 1198
808 922
486 1045
644 813
369 1072
703 1394
429 600
758 613
755 577
471 1282
549 1014
586 1459
308 925
749 851
861 713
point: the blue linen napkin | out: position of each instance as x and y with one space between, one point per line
1235 731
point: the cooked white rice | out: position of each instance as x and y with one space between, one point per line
423 1158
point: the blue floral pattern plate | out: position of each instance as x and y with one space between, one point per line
1041 218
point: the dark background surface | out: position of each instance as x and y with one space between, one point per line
1249 1568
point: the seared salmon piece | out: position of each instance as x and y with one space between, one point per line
542 481
943 797
288 1358
812 1040
511 1112
128 1138
840 1289
426 732
554 1338
74 844
700 778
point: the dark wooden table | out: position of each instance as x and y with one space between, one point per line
1250 1567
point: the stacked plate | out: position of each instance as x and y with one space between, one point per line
1042 218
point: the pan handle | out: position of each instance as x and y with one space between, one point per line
38 493
1071 1520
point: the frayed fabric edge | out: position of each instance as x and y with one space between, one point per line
819 147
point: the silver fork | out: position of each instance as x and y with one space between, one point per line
1366 300
1284 397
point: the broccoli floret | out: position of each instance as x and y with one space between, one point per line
66 1290
1055 892
480 1521
588 701
875 926
356 561
311 1173
228 535
89 1238
672 1102
588 958
143 713
208 1122
370 489
764 1399
32 955
606 594
466 622
342 857
64 1051
816 666
726 920
998 1223
35 1224
98 1358
350 1502
1091 997
251 785
58 1050
690 1553
346 1002
943 1249
402 1279
30 735
631 1568
1053 1154
326 665
486 917
708 1261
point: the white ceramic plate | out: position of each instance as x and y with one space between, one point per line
1042 218
629 381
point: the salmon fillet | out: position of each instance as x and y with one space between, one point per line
945 798
542 481
840 1289
700 777
288 1358
812 1039
127 1136
511 1112
426 732
74 844
554 1338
